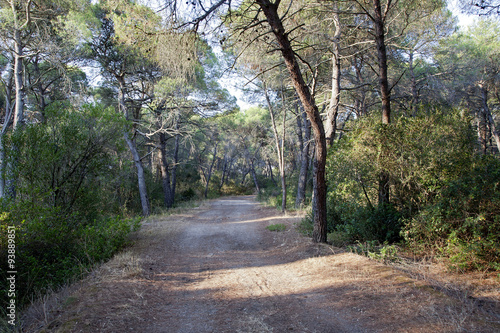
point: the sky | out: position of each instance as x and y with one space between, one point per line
464 20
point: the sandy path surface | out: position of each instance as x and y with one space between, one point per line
218 269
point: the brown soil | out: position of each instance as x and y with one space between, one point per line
218 269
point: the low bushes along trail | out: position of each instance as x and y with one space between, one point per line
218 269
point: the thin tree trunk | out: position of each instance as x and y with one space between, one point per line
141 179
252 170
245 174
6 123
283 176
165 175
270 10
223 174
333 108
279 150
176 160
41 95
487 111
209 173
271 172
19 84
413 83
304 161
254 177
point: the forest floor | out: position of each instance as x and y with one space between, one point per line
218 269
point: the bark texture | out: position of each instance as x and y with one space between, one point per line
304 136
379 18
333 108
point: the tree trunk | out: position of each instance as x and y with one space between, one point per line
176 161
168 200
254 177
333 108
414 90
283 176
141 180
382 62
271 172
383 194
209 173
224 168
304 160
6 123
245 174
489 117
18 79
41 91
271 12
18 121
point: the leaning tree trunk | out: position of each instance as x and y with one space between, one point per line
271 12
141 179
18 121
333 108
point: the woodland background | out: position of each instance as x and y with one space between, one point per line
113 110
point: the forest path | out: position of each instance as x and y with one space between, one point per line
218 269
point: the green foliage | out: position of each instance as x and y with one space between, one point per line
379 223
65 209
374 250
464 219
419 154
272 195
443 195
53 248
59 163
276 227
306 225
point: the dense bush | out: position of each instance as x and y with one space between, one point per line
463 222
444 195
65 211
53 248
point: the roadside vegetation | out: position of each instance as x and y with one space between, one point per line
379 118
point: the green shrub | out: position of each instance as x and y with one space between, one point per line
420 155
276 227
53 248
65 210
306 225
464 220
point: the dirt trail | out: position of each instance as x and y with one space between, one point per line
218 269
